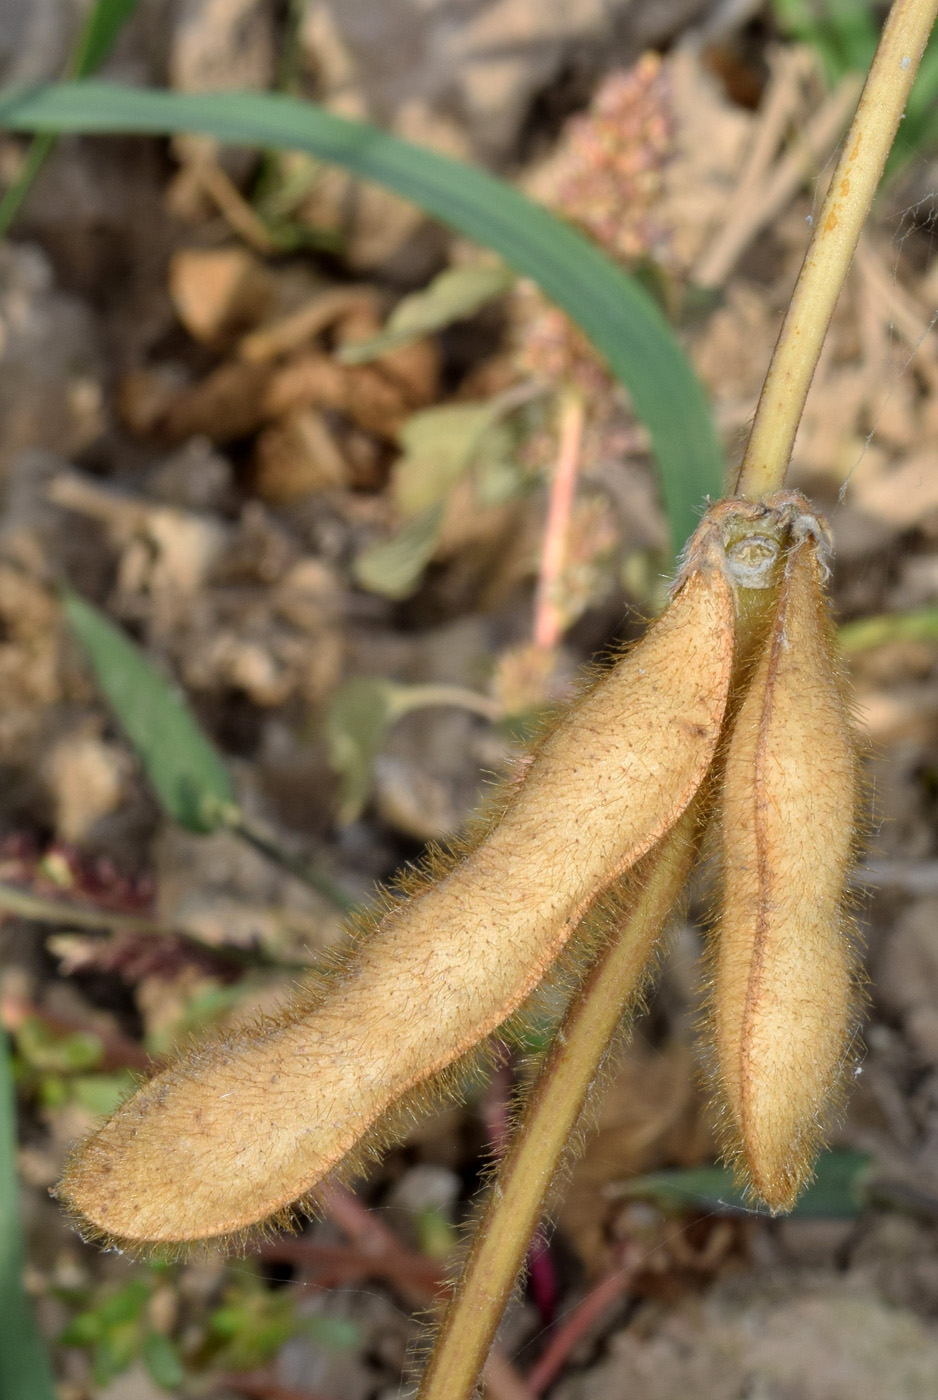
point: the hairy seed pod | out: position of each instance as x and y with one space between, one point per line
246 1124
783 995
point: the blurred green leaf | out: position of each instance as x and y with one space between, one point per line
439 446
101 29
161 1358
126 1304
53 1091
185 770
360 716
393 567
252 1324
101 1094
497 476
842 32
100 33
617 315
25 1373
115 1350
437 1236
46 1049
206 1006
333 1333
837 1191
84 1329
920 625
454 295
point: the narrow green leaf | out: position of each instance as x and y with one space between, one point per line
104 24
25 1373
838 1190
617 315
186 772
452 296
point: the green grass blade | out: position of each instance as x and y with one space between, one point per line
188 775
617 315
919 625
25 1373
97 38
100 33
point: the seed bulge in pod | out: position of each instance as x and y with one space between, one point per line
250 1121
783 999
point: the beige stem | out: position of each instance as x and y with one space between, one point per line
544 1134
832 246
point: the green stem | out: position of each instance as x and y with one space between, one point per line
419 697
239 826
98 34
832 246
35 159
543 1137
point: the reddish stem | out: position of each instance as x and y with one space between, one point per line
329 1265
260 1386
575 1326
374 1238
548 619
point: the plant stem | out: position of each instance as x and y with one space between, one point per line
548 619
239 826
36 909
418 697
100 30
832 246
548 1125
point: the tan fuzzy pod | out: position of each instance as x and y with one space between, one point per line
238 1129
783 995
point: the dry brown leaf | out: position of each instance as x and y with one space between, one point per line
296 456
217 292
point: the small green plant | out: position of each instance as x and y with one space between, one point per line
730 712
241 1330
114 1329
62 1069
